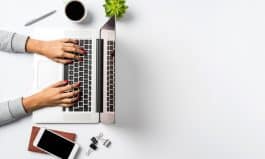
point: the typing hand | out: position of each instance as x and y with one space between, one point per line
60 51
59 93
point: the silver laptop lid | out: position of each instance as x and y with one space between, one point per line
109 25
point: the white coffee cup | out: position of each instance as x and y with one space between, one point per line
75 10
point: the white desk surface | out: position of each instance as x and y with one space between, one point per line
190 79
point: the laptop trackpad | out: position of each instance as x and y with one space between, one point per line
49 73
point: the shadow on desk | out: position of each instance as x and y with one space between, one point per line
129 107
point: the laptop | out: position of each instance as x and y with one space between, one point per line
96 73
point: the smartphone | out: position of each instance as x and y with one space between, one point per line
55 145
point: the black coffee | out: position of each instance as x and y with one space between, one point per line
75 10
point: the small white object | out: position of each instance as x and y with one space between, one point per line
106 142
100 135
89 152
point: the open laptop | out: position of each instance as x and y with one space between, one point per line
96 73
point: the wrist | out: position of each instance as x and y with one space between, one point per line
30 103
35 46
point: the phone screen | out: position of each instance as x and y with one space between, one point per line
55 144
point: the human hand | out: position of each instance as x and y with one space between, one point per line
61 51
59 93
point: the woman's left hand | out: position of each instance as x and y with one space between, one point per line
61 51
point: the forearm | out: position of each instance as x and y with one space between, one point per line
12 42
35 46
31 103
11 110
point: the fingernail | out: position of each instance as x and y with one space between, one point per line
66 81
70 62
81 59
84 51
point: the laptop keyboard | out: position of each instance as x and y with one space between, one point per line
81 71
110 76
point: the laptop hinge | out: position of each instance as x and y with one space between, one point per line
99 83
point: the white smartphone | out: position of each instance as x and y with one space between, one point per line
55 145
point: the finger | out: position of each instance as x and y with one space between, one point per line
70 87
67 105
70 94
70 100
63 61
76 46
70 44
69 40
59 84
71 56
75 49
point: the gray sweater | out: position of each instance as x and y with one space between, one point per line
12 109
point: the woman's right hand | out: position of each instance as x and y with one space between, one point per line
59 93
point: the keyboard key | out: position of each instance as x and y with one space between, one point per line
77 109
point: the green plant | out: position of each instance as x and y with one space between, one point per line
115 8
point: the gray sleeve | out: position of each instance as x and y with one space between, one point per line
11 110
12 42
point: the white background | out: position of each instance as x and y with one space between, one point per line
190 79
